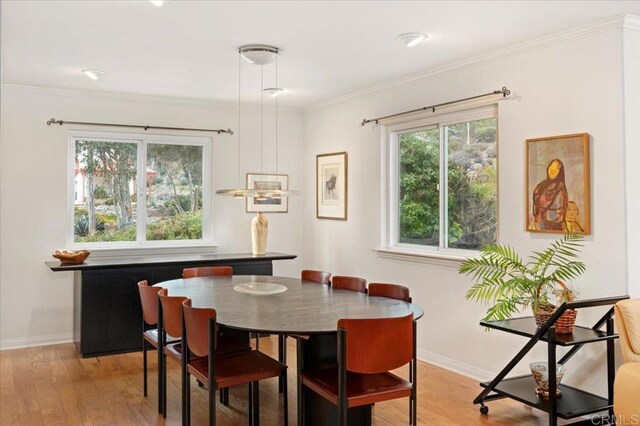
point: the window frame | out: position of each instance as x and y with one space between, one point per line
142 140
391 177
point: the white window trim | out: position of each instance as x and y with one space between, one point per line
141 245
390 247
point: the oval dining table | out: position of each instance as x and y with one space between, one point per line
304 309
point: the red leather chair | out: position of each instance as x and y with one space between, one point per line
207 271
217 371
362 376
319 277
349 283
392 291
149 302
170 322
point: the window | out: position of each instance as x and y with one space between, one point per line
443 183
139 190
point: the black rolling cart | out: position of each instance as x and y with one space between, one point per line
573 402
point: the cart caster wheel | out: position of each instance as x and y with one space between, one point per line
484 409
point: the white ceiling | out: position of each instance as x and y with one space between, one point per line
187 49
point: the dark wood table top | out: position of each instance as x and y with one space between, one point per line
165 259
305 308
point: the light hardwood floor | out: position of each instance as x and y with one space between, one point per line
51 385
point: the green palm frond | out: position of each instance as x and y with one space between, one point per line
502 279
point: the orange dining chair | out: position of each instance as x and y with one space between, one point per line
363 375
392 291
207 271
349 283
319 277
149 302
216 371
170 322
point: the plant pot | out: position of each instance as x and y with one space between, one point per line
563 325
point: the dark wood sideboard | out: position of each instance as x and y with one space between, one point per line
107 316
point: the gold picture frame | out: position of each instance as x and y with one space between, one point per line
558 187
332 186
267 181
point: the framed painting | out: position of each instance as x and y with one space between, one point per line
267 181
331 186
558 190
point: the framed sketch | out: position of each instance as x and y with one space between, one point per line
265 181
331 186
558 191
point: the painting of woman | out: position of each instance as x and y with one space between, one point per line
558 184
550 199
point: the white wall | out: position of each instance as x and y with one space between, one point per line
571 86
631 45
36 304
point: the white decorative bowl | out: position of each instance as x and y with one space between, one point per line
260 289
540 371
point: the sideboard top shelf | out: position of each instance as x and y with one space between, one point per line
165 259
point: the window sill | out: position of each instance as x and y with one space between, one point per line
108 252
421 256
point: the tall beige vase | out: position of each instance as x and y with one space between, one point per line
259 229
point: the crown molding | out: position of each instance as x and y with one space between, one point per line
631 22
587 30
133 97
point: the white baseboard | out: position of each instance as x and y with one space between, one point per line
455 366
27 342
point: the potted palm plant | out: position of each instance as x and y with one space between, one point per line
506 282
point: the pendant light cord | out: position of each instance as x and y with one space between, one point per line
240 183
276 116
261 117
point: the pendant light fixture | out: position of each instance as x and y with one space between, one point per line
260 55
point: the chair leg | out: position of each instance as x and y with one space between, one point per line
160 381
286 399
186 399
212 406
342 414
226 397
164 386
282 357
256 403
250 398
144 366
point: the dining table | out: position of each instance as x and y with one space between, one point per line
286 306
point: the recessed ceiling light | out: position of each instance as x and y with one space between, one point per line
411 39
93 74
274 91
158 3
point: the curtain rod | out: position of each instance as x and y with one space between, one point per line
137 126
504 92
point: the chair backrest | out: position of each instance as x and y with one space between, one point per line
207 271
196 322
628 320
392 291
319 277
171 313
378 344
149 301
349 283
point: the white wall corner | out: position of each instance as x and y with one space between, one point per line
631 22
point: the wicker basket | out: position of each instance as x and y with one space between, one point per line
564 324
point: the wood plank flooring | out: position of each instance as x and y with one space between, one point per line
51 385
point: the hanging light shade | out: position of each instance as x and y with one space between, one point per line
258 54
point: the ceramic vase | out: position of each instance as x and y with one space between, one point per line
259 229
